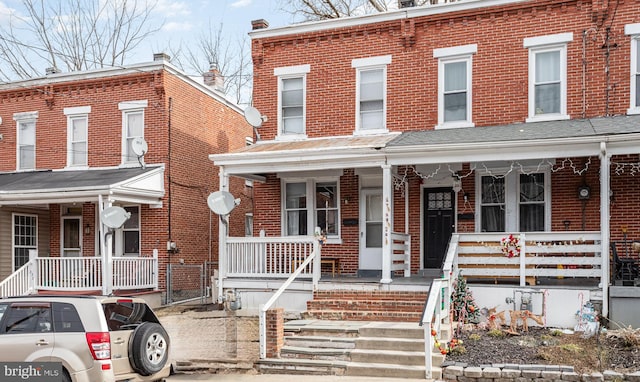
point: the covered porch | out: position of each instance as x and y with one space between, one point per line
56 241
401 199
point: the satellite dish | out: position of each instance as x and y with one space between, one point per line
139 146
114 216
253 116
222 202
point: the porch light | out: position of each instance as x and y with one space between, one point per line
87 229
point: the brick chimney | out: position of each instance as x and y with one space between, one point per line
52 70
259 24
406 3
214 78
161 57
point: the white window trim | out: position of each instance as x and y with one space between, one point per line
450 55
538 44
29 116
118 234
288 72
248 228
311 205
371 63
633 30
130 107
72 113
512 196
13 233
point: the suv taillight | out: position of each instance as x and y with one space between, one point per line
100 345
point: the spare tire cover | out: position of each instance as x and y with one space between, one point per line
148 348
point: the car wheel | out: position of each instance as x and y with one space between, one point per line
148 348
65 376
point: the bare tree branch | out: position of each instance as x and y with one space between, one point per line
312 10
72 35
230 58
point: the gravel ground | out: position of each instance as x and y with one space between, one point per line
545 346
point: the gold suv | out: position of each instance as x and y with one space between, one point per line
95 338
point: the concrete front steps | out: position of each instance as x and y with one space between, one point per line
403 306
353 348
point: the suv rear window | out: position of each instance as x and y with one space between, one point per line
66 319
126 315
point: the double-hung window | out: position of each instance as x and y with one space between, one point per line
291 101
309 204
132 127
126 240
77 135
548 76
514 201
454 85
371 94
26 133
25 238
634 31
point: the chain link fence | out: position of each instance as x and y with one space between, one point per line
186 282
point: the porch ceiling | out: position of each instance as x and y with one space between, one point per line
142 185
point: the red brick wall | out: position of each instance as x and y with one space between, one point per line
200 125
500 66
275 332
500 96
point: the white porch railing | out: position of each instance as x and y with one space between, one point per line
314 256
80 274
258 257
18 283
401 253
541 254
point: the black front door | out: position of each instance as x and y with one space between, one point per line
438 215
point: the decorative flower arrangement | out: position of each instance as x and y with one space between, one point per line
510 246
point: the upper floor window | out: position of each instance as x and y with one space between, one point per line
548 76
371 94
77 135
132 127
291 100
634 31
26 136
454 85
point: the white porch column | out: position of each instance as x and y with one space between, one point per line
387 223
106 247
223 232
605 167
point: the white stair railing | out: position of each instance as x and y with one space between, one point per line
262 313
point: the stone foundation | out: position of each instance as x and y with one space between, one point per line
530 373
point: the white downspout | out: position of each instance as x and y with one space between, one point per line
605 167
387 223
222 239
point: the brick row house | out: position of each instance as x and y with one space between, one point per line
67 154
448 129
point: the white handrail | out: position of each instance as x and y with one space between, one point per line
264 307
